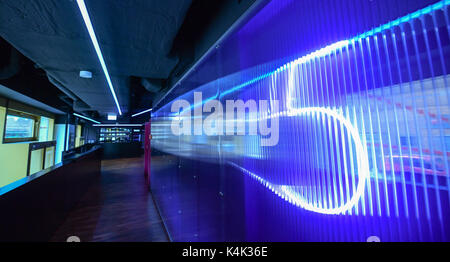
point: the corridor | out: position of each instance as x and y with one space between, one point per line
118 208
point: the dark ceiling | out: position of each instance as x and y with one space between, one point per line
145 43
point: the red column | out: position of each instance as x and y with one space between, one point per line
147 148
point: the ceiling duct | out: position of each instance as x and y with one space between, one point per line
66 100
13 67
151 85
78 105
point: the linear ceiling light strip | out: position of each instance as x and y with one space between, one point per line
143 112
87 118
114 125
87 22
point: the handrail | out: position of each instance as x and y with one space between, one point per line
29 178
47 197
77 152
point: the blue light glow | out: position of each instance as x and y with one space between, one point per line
341 44
288 193
363 127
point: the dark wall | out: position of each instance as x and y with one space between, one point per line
35 210
120 150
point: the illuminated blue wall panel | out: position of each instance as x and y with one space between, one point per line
364 128
60 134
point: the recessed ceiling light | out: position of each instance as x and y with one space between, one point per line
86 74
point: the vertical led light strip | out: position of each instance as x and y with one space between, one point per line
90 28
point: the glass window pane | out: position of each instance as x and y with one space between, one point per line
19 127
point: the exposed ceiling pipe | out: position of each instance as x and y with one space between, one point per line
66 100
151 85
13 66
61 87
81 106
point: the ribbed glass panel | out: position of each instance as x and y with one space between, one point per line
360 92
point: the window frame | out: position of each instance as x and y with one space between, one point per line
36 120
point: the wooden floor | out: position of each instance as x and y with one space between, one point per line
119 208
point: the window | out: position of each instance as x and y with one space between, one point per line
20 127
43 129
